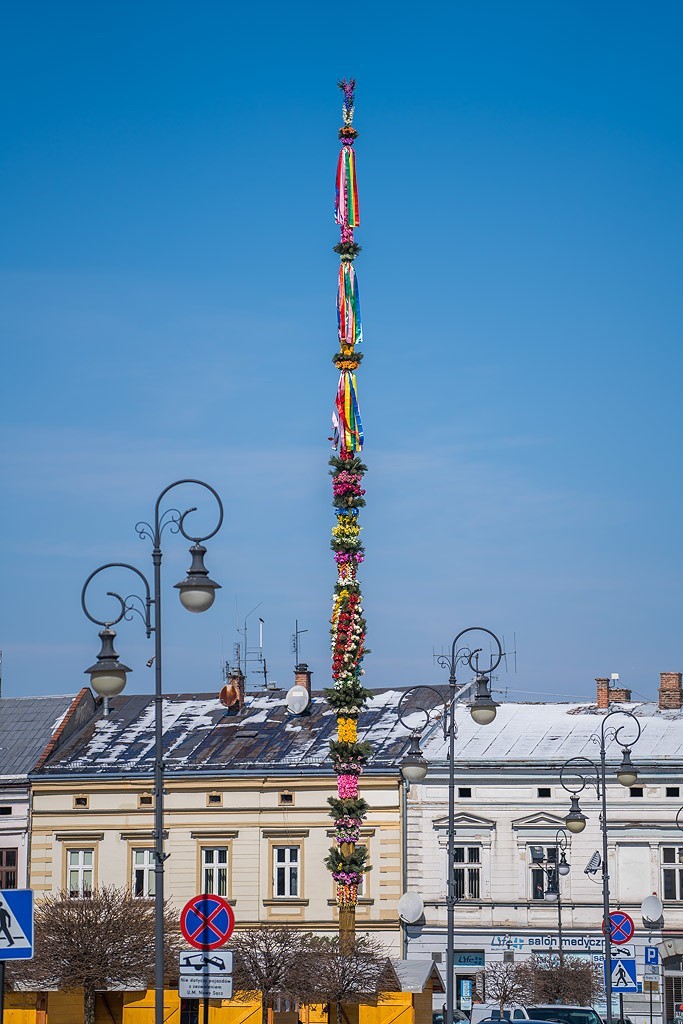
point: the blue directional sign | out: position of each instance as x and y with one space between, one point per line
16 924
624 975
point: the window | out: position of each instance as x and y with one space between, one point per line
214 800
145 800
143 873
672 872
635 791
286 871
464 791
543 792
8 869
80 872
670 791
215 870
467 872
285 798
5 808
80 802
542 869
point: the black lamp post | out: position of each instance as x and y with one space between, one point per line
575 820
108 674
414 766
559 867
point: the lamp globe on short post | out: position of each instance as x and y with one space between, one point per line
575 820
414 766
627 774
108 674
197 590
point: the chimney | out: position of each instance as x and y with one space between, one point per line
302 676
603 692
607 694
670 690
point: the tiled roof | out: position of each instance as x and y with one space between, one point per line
27 724
200 735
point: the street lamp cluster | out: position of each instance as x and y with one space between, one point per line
108 675
414 766
575 775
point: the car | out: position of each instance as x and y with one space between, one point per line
458 1016
564 1014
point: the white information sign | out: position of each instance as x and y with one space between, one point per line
215 961
204 986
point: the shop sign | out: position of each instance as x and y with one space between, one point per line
469 958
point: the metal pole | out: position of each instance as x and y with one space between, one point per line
158 791
605 878
621 1008
2 991
450 915
650 987
559 924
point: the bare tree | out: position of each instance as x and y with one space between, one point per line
339 976
573 980
271 963
507 984
98 942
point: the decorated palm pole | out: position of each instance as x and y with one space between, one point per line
347 859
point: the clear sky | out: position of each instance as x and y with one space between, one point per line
167 310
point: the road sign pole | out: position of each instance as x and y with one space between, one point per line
650 987
206 1010
2 991
621 1008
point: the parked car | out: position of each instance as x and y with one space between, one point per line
492 1011
565 1014
458 1016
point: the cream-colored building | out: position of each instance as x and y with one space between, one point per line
246 810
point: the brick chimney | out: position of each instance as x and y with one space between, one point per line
302 676
607 694
670 690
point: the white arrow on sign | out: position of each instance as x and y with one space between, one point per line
212 962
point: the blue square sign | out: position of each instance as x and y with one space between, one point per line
16 924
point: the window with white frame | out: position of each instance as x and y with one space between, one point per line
286 868
467 872
542 859
672 872
143 873
215 870
80 872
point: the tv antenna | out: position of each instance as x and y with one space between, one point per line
295 641
246 656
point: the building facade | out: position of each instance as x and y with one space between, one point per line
246 810
510 804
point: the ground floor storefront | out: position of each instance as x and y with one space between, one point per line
476 948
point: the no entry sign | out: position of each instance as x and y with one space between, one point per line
207 921
621 927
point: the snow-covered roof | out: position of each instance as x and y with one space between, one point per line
414 975
553 733
200 735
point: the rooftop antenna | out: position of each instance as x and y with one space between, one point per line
251 655
295 641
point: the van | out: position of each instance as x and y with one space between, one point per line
492 1011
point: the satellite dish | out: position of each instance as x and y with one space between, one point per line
298 699
652 910
410 907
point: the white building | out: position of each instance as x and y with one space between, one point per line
510 802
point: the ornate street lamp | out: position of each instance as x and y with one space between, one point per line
575 820
108 674
414 766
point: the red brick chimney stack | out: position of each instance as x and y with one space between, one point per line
302 676
609 694
670 690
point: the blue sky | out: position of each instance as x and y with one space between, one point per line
167 297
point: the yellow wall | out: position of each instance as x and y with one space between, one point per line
20 1008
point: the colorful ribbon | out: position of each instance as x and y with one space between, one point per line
348 421
347 210
349 326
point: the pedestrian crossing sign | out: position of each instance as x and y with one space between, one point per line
16 924
624 975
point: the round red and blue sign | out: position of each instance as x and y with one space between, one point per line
207 921
621 927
